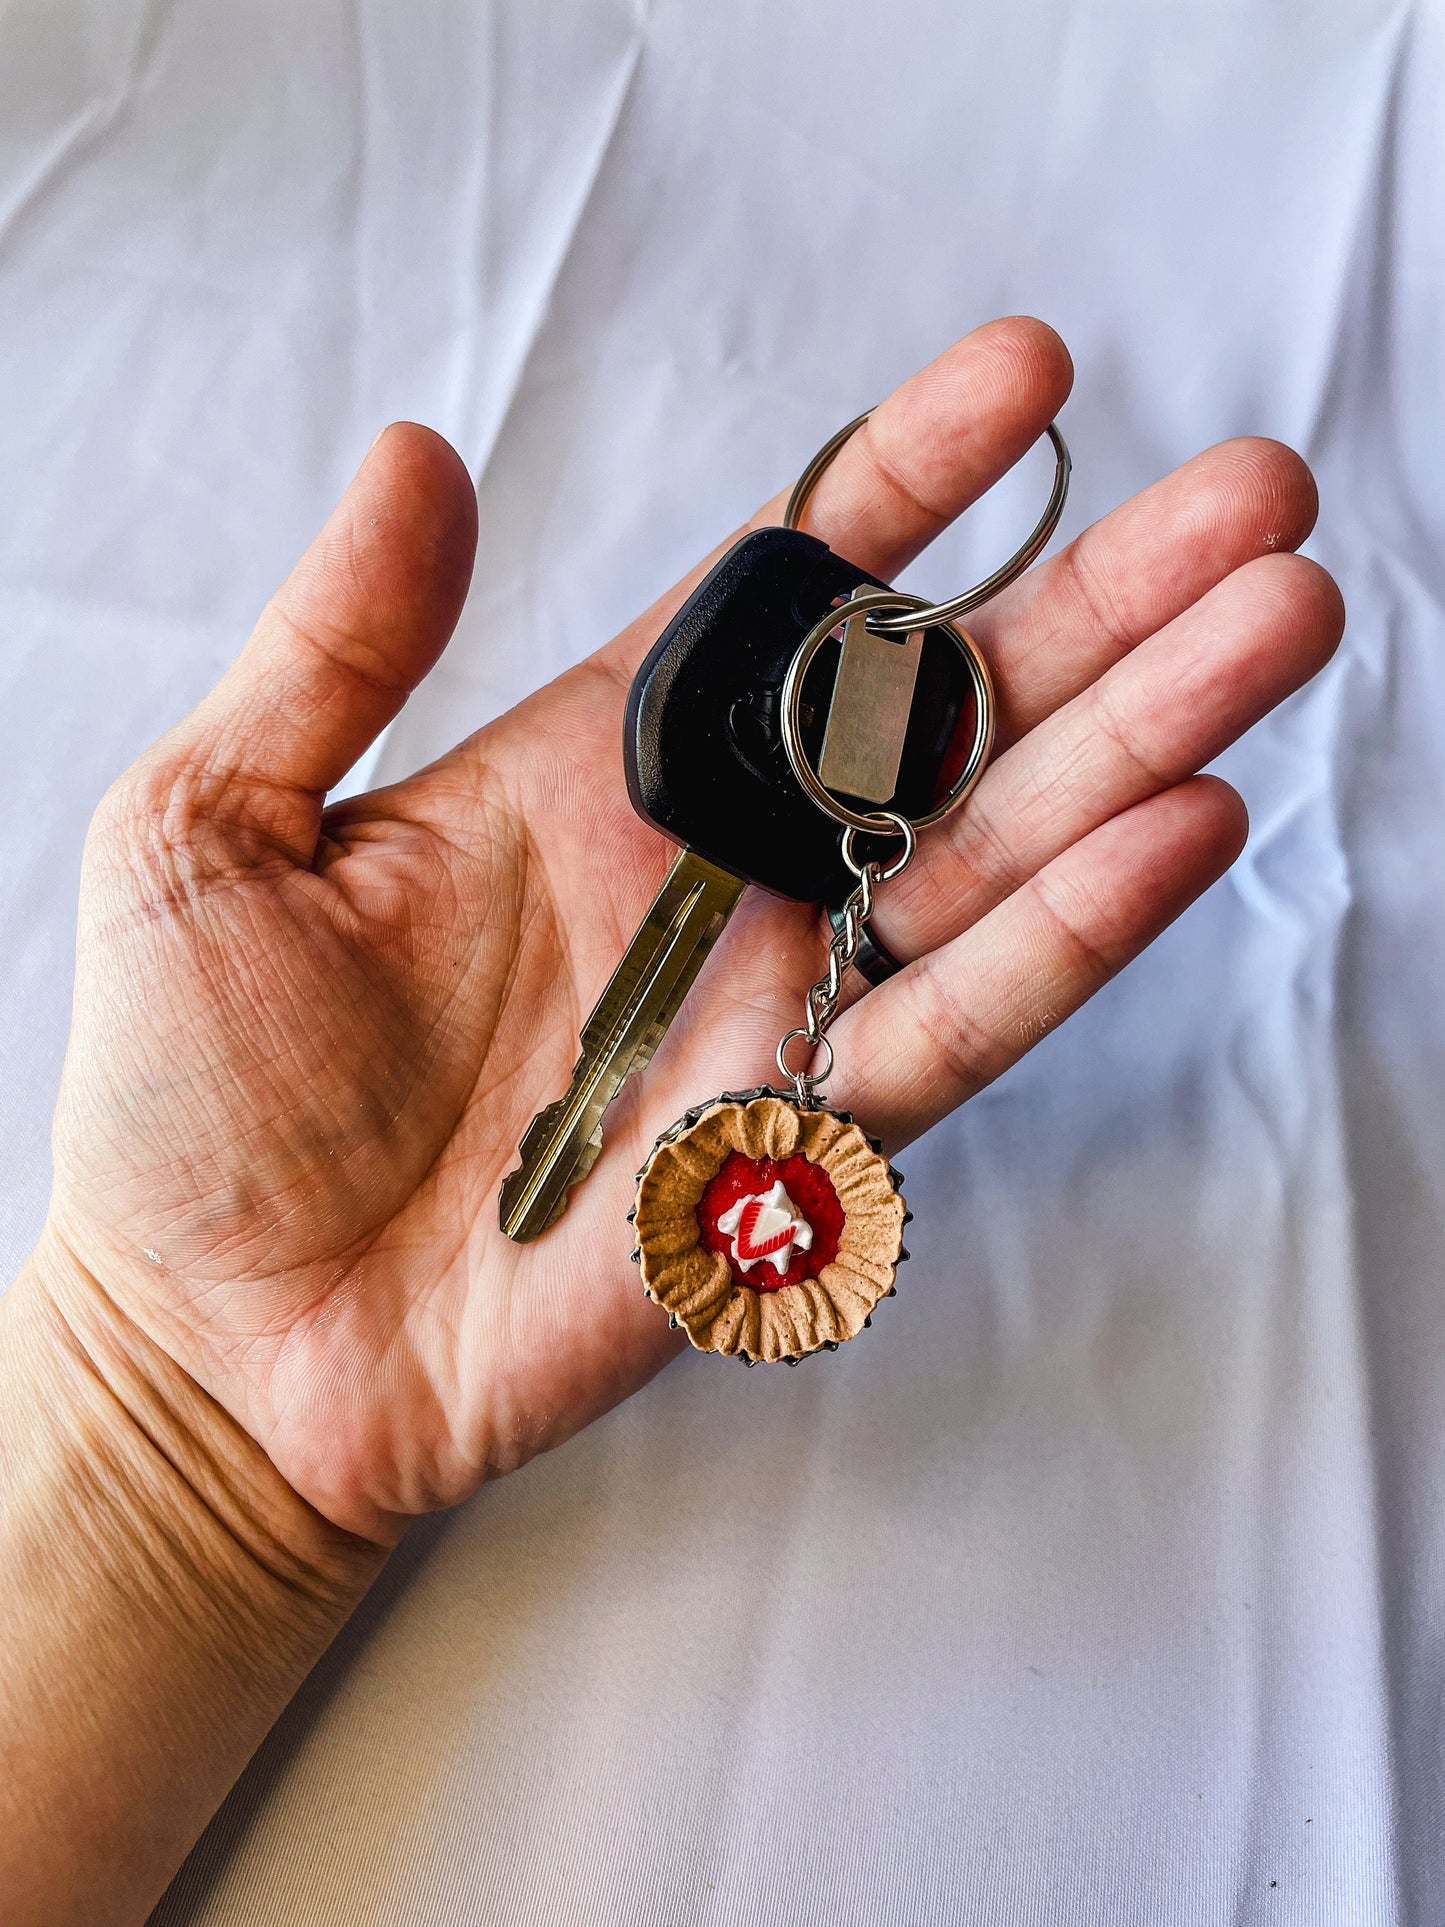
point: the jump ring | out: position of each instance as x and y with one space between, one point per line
895 826
814 1045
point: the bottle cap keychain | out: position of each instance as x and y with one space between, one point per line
769 1225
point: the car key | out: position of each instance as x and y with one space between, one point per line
774 711
706 764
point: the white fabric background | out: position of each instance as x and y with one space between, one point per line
1103 1581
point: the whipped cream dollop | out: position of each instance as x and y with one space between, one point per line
766 1227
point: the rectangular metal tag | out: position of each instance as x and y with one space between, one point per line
868 716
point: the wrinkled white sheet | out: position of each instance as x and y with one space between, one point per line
1107 1583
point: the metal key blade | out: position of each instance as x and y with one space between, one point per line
632 1015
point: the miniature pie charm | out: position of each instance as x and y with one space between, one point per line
768 1226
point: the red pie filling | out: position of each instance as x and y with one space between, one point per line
813 1196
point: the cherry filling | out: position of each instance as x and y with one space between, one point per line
811 1191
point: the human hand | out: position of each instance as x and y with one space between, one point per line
307 1040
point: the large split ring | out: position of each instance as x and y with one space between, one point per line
1022 558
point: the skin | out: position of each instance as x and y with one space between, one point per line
272 1297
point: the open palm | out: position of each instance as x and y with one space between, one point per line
308 1040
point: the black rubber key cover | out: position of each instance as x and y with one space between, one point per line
703 750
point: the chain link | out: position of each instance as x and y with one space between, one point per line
822 1001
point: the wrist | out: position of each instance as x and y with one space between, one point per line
165 1592
151 1459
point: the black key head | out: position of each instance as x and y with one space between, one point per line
703 747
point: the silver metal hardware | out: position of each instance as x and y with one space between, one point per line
1024 557
868 714
821 1005
865 602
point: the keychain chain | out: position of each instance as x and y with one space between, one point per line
823 999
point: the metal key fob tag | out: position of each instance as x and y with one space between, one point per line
869 712
775 707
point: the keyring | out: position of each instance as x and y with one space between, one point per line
985 591
919 615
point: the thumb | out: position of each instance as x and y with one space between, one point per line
342 644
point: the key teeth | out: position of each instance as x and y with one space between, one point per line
586 1158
